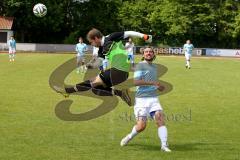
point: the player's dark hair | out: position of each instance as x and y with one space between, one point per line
94 33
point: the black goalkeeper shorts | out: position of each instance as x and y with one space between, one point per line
113 76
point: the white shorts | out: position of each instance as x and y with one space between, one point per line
12 50
80 59
146 107
188 56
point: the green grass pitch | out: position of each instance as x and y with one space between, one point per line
202 111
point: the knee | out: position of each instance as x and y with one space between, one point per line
159 118
96 81
140 127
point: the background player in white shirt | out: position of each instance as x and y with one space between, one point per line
81 49
97 62
95 51
130 48
146 100
103 61
187 49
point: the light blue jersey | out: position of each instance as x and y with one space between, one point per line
188 48
81 48
12 43
146 72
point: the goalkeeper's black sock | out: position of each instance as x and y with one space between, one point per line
84 86
98 90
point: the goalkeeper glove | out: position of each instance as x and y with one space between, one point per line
147 38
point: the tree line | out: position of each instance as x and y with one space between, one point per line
208 23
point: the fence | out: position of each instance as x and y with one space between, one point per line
53 48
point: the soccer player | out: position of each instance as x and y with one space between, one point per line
187 49
146 100
112 48
12 49
81 48
103 62
130 47
96 62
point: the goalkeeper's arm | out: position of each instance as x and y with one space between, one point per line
147 38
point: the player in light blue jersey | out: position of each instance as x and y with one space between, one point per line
81 49
188 49
12 49
146 99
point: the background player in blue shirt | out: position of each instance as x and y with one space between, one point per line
81 49
12 49
187 49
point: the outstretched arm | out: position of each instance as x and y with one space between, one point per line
123 35
146 37
133 34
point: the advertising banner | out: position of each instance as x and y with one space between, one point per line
169 50
223 52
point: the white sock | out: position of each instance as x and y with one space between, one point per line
133 133
162 134
188 63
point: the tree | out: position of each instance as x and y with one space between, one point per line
227 24
30 28
65 21
100 14
206 23
134 15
